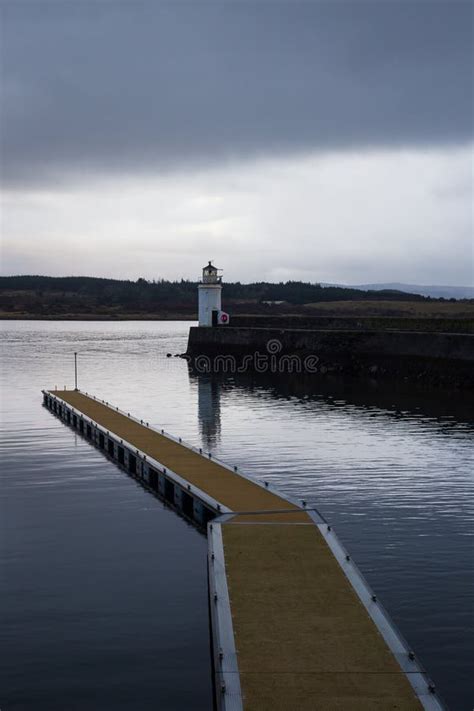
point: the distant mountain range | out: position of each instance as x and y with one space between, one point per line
436 292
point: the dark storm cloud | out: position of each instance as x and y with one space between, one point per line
107 87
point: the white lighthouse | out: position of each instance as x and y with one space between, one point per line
210 301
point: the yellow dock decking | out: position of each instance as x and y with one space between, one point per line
303 638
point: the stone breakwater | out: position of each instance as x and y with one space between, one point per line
356 323
435 358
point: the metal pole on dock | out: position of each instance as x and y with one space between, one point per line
75 371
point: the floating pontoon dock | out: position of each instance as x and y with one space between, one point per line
295 627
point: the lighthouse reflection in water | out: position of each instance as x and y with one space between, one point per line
209 411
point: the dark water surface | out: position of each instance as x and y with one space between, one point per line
104 589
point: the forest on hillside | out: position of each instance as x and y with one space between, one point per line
43 295
89 297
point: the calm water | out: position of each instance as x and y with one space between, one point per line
104 589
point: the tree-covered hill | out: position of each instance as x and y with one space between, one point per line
56 296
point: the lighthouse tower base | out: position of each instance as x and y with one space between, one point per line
209 300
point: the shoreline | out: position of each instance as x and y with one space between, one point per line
98 317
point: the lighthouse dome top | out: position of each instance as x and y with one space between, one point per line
211 274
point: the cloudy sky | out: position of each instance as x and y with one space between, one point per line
325 141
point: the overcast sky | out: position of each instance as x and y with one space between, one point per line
327 141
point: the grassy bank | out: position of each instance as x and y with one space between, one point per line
405 309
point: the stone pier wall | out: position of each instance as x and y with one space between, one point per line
445 358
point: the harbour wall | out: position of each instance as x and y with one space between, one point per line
312 322
435 358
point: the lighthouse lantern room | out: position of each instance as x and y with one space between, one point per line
210 289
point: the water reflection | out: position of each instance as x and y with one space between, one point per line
209 411
396 400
